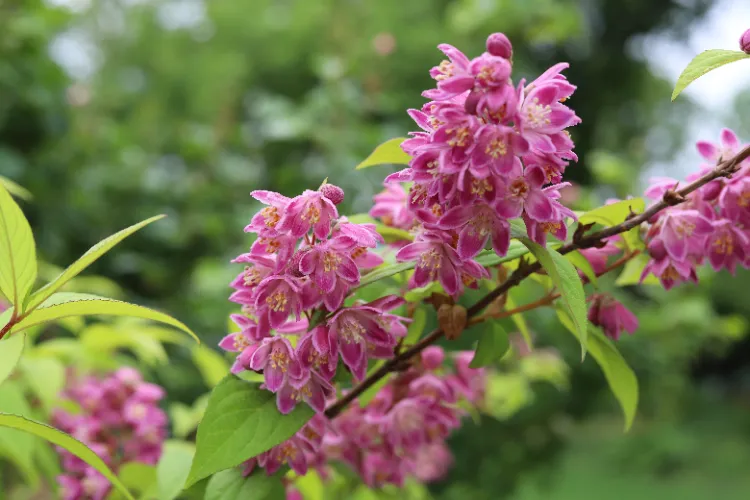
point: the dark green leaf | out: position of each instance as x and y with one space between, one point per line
703 63
230 485
241 421
389 152
492 346
566 279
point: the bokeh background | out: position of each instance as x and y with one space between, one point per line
115 110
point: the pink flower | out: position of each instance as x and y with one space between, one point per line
476 224
496 149
310 210
612 316
262 267
670 272
276 358
727 246
276 298
499 45
683 232
734 200
490 71
280 246
390 207
524 194
265 221
745 42
334 193
313 389
452 76
377 470
432 462
542 115
404 425
315 352
729 146
291 452
328 263
437 260
597 257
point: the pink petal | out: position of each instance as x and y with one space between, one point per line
456 217
539 207
448 277
470 243
729 139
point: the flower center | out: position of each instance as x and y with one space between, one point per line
430 259
481 186
684 228
272 244
240 342
279 360
270 216
251 276
496 148
537 115
277 301
418 194
445 69
311 213
288 451
670 274
331 261
724 244
461 136
437 210
551 227
351 330
360 251
519 188
550 174
481 223
744 199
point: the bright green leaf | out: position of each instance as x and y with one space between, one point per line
64 304
620 377
385 271
173 468
389 152
65 441
44 376
241 421
10 352
704 62
17 446
17 252
310 485
416 327
616 213
566 279
185 419
15 189
106 339
393 234
577 259
137 477
212 365
631 273
422 292
230 485
519 321
85 261
493 344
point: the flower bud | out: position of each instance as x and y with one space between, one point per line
333 193
745 42
499 45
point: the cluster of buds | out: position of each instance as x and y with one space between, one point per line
488 152
713 223
301 267
400 433
119 420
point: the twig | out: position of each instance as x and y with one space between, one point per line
671 198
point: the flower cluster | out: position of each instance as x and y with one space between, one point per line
306 259
712 224
488 152
400 433
119 420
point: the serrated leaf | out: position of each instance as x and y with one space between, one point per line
88 258
15 189
173 468
10 352
64 304
577 259
566 279
241 421
231 485
65 441
389 152
704 62
492 346
15 445
212 365
620 377
17 252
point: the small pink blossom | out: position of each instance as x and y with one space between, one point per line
278 361
390 207
728 146
524 194
310 210
328 263
276 298
476 224
727 246
612 316
265 221
684 232
745 42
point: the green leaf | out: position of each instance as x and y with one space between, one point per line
85 261
45 377
385 271
17 252
173 468
566 279
493 344
106 339
620 377
241 421
519 321
10 352
615 213
63 440
230 485
416 328
393 234
212 365
185 419
15 189
577 259
17 446
64 304
389 152
631 273
138 477
704 62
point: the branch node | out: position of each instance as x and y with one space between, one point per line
672 197
581 231
452 320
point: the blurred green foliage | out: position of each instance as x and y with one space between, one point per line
183 108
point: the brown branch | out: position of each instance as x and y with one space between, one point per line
670 198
